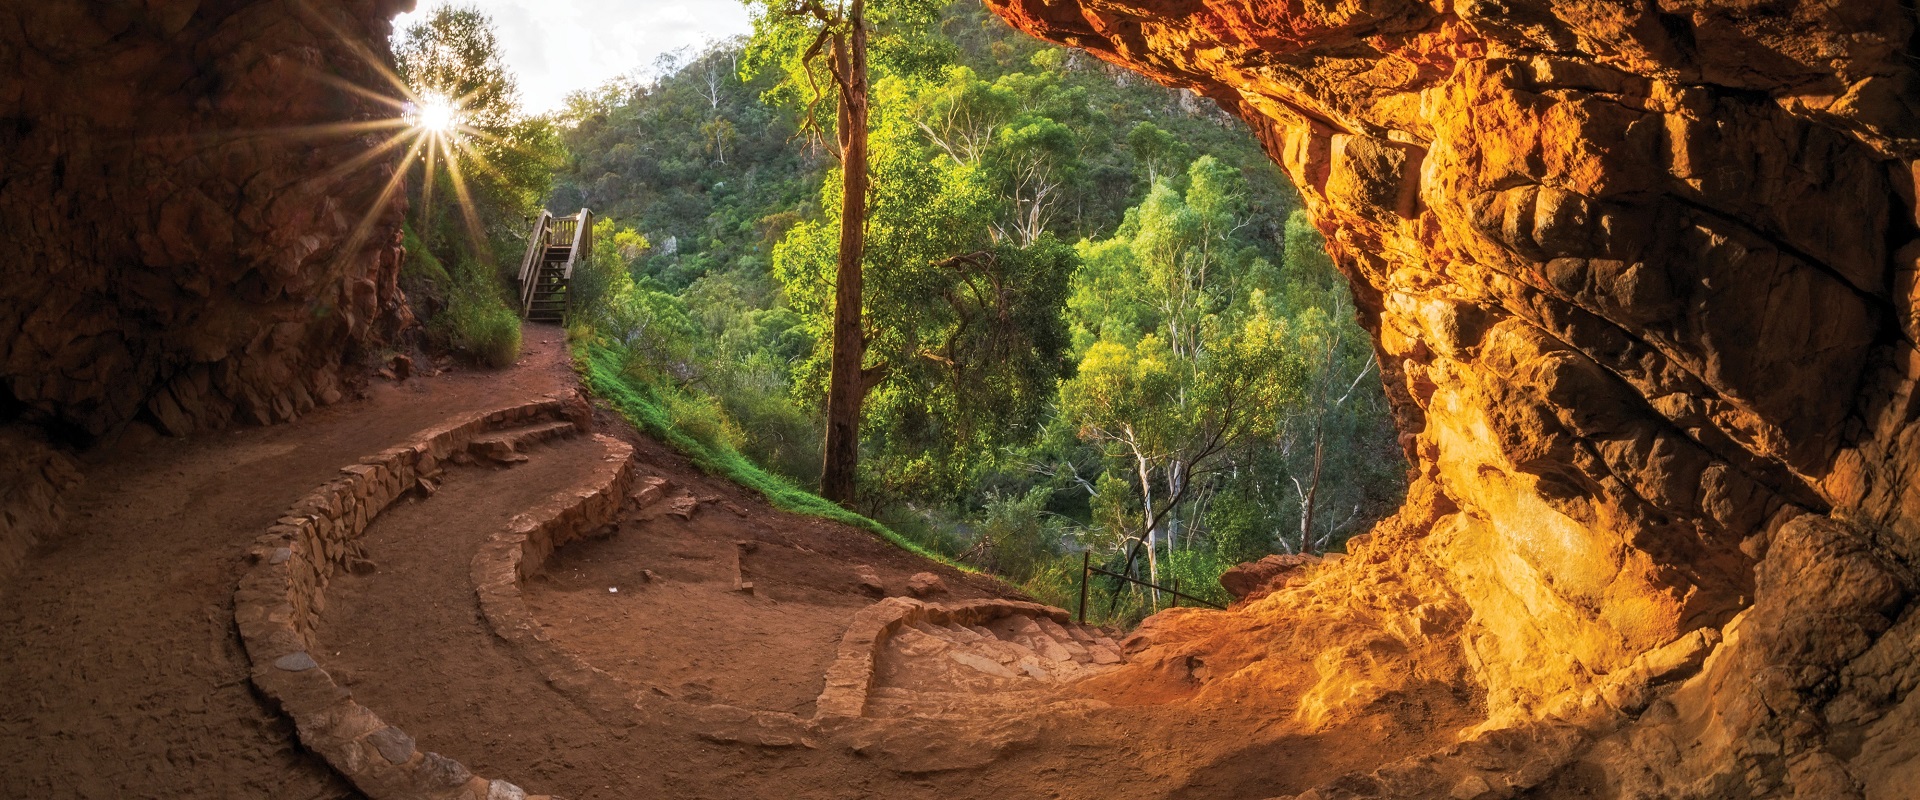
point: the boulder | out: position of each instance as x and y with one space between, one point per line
1257 579
924 584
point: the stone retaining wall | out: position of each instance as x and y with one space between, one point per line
850 677
280 596
512 556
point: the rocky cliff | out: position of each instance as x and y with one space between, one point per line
1642 280
186 236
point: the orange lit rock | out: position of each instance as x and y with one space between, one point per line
1641 281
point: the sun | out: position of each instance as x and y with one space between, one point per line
435 113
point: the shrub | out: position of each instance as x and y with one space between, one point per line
702 418
477 320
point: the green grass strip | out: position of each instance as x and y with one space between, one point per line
599 366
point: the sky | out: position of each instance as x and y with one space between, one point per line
556 47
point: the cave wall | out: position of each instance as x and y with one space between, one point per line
1642 280
180 243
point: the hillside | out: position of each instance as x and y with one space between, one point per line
1027 143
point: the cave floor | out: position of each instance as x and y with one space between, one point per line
126 677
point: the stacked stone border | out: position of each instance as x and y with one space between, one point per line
850 678
281 595
509 558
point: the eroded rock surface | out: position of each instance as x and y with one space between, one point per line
1642 280
177 244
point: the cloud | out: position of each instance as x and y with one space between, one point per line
556 47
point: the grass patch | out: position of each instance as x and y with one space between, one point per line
602 369
470 314
482 327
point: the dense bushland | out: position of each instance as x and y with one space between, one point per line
1097 320
475 176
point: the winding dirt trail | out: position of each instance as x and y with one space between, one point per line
125 676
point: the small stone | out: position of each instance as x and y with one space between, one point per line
393 744
280 555
648 576
653 489
439 771
746 587
923 584
359 565
295 662
1259 578
613 590
869 580
502 790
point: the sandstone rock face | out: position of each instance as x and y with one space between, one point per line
1642 280
33 476
1258 579
178 244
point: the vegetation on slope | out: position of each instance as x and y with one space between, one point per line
476 176
606 373
1097 319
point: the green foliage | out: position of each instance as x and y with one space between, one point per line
490 332
1206 378
499 165
602 368
420 268
1196 305
1015 540
494 169
966 331
607 273
468 315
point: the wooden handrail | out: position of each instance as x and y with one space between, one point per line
572 232
582 241
530 264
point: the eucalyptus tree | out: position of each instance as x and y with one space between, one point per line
963 334
824 47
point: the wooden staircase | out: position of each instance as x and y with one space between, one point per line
557 244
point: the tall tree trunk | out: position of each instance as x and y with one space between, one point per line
847 385
1319 450
1153 525
1313 492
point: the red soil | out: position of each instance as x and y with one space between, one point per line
125 677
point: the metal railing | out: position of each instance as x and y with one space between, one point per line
1087 569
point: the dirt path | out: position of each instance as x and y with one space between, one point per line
123 674
689 632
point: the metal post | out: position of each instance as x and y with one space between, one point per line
1086 560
